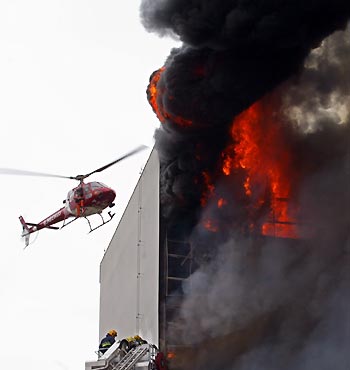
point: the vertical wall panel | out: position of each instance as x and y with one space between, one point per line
129 271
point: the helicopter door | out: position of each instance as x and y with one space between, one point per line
79 194
70 199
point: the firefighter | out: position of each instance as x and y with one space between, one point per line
108 341
135 341
131 342
79 200
160 361
139 340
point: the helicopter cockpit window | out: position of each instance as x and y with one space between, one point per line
87 191
78 194
103 185
70 195
97 185
70 198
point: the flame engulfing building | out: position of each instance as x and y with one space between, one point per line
254 183
254 174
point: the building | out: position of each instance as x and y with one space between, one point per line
143 267
129 270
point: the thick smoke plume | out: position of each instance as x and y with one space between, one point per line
258 302
233 53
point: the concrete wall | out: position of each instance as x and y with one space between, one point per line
129 270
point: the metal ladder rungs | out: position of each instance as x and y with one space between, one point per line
130 359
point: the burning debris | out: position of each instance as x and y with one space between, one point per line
254 149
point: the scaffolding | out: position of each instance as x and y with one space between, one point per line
178 265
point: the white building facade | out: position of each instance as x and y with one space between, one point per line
129 270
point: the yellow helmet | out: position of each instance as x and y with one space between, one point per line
113 333
137 337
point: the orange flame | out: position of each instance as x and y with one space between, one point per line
210 225
153 92
260 151
227 162
221 202
210 188
170 355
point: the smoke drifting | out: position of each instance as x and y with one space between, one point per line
234 52
273 77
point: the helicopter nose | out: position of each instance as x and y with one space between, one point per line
110 195
105 195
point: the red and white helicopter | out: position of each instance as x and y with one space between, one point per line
82 201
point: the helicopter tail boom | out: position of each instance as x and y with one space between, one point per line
26 232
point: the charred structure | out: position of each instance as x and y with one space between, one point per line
255 174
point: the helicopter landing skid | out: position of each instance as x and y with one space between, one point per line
103 221
66 224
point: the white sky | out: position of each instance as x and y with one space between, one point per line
73 78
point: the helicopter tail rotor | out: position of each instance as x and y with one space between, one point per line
25 232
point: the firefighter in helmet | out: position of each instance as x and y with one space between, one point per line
108 341
131 342
139 340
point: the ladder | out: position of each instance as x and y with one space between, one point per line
130 359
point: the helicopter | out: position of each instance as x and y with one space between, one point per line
84 200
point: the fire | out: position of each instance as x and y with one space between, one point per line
170 355
210 225
259 160
210 188
154 92
261 153
227 160
221 202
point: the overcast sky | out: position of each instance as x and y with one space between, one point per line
73 78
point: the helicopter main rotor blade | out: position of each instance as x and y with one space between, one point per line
132 152
12 171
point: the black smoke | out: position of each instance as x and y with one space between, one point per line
233 53
260 303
